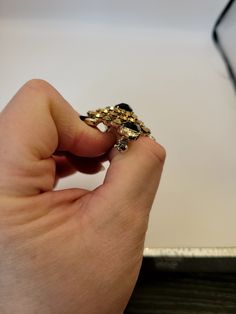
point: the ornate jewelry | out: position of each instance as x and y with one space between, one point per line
122 119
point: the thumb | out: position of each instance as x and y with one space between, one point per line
134 176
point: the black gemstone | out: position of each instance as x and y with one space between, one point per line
132 126
124 107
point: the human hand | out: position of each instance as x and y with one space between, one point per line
70 251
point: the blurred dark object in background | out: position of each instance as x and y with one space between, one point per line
224 36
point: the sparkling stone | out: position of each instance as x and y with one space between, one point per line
140 122
128 133
132 126
122 145
90 121
114 113
92 113
98 115
124 107
145 129
107 118
116 109
117 121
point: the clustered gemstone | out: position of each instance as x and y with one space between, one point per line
122 118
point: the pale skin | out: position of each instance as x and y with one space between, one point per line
69 251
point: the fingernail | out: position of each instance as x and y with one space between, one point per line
83 117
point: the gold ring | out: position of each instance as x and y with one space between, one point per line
123 120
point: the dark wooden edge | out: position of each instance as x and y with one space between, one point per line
189 264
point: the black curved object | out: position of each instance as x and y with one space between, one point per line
217 40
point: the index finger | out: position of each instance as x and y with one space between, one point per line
37 122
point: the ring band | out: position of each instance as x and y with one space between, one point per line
123 120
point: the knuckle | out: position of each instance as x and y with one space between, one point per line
38 86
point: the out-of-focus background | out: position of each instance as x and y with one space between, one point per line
157 56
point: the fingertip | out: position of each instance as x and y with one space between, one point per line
151 145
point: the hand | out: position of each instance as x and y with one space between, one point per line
70 251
